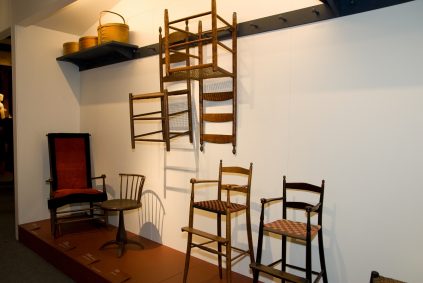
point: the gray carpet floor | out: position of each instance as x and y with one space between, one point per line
17 262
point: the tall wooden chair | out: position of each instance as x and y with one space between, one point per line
302 231
71 180
221 206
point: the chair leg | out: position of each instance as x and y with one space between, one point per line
219 245
322 256
187 257
249 236
259 249
53 222
165 114
228 248
308 260
91 210
283 256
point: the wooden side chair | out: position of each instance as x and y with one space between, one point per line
71 181
131 187
221 206
302 231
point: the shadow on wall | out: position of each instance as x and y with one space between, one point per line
152 216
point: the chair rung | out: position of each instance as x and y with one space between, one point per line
278 273
205 235
147 95
218 117
177 92
218 96
299 268
217 138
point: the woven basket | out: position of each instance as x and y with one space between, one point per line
87 42
70 47
112 31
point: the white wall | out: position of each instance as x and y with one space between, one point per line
46 99
338 100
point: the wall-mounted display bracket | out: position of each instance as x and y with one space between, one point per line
114 52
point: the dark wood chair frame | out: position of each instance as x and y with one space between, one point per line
71 214
310 210
131 187
222 241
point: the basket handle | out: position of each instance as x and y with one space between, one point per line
105 11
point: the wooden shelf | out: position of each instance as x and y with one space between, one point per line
101 55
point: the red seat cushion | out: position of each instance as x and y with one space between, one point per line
65 192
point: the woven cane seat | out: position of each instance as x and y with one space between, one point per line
292 229
218 206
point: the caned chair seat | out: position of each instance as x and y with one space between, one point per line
219 206
382 279
292 229
376 278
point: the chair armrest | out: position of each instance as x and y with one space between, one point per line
99 177
103 176
267 200
50 182
313 208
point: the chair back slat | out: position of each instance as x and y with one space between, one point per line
243 173
235 169
131 186
306 189
297 204
303 187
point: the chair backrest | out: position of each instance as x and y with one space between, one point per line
244 173
131 186
305 188
70 162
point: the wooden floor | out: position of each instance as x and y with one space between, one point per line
76 253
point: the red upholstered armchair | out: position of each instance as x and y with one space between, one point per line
71 180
